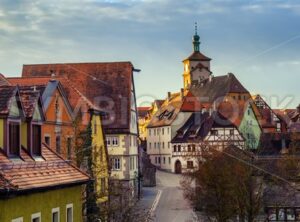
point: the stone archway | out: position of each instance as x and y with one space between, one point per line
178 167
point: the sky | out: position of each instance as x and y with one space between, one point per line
258 41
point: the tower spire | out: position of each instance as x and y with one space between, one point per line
196 39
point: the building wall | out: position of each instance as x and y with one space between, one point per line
226 136
24 134
2 133
161 155
250 129
159 146
43 202
58 123
127 151
100 157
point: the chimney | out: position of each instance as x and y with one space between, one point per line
52 75
298 108
211 78
181 93
169 96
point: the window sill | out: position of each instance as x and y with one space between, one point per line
38 158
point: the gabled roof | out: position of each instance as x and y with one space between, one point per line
3 80
197 127
47 87
28 175
6 99
197 56
200 66
233 111
264 112
100 83
31 99
217 87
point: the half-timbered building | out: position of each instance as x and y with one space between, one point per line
200 133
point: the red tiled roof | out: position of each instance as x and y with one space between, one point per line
198 56
103 84
233 112
3 80
28 81
29 99
29 174
142 111
6 92
75 97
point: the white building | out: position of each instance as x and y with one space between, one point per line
202 132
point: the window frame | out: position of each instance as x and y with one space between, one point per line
58 142
37 215
190 164
55 210
18 123
113 159
33 136
19 219
48 136
69 206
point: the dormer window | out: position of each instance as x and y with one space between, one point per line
36 140
14 138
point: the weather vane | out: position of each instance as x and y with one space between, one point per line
196 28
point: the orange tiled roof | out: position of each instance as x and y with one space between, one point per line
28 174
168 111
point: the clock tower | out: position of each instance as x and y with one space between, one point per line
197 65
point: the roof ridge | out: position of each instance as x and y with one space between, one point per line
73 63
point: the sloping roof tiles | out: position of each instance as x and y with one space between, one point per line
30 174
